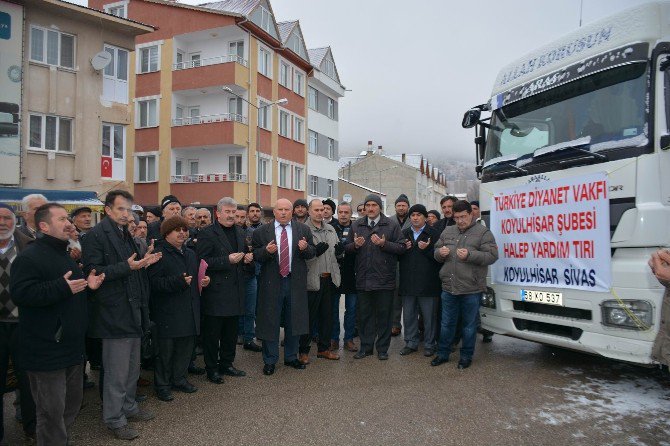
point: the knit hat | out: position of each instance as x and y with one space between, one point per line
373 197
169 199
474 203
173 223
300 202
435 213
402 198
418 208
331 203
79 210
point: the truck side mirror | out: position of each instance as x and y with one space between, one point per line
471 118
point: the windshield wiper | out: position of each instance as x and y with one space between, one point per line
510 163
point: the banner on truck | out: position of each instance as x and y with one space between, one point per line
554 234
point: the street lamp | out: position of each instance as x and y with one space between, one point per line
281 101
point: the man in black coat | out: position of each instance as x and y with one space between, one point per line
377 242
222 246
282 247
49 289
170 207
419 285
446 204
116 310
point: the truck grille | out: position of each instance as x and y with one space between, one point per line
552 310
552 329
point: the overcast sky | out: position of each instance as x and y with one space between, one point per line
415 66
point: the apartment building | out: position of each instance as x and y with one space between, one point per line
323 95
73 103
220 104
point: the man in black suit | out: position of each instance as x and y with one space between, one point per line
282 247
222 246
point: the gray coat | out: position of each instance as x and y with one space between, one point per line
661 349
326 262
268 311
466 276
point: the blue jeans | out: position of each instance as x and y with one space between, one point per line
246 327
466 306
349 316
271 348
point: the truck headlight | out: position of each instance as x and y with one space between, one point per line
488 298
629 314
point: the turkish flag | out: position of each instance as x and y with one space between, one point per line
106 166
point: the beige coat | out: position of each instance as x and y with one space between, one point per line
661 349
326 262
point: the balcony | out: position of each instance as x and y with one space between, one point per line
210 61
210 72
208 178
213 133
207 119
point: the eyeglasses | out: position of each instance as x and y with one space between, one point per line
181 230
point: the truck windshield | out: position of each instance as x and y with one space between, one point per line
601 112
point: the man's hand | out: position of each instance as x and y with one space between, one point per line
77 285
302 244
358 241
248 257
408 244
443 251
188 279
660 264
75 253
424 245
94 281
235 257
135 264
377 240
151 258
204 282
462 253
271 247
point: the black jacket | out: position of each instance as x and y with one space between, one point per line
419 271
442 224
116 307
376 267
227 288
52 321
175 306
347 263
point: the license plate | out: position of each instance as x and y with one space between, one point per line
542 297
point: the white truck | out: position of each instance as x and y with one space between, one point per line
588 110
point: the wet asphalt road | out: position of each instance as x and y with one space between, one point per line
515 393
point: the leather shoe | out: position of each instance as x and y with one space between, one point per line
350 346
382 356
439 360
303 358
252 346
428 352
361 354
395 331
215 377
164 395
268 369
407 351
464 364
185 387
195 370
232 371
334 345
327 354
295 364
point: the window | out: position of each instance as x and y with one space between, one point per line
264 114
50 133
148 113
119 9
331 108
115 76
331 188
331 148
235 165
148 59
266 20
193 167
329 68
285 75
113 151
264 62
298 126
235 109
51 47
298 46
313 98
299 83
195 59
284 175
146 169
284 124
236 51
263 165
194 114
298 172
313 142
313 185
178 167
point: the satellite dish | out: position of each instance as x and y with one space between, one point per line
101 60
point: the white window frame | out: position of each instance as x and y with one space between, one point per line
331 149
178 167
330 187
313 98
264 114
239 162
331 108
285 128
111 7
43 133
147 155
138 102
298 178
314 185
139 50
286 184
298 46
266 161
329 68
285 74
299 83
113 80
266 20
112 148
265 61
298 128
313 142
45 47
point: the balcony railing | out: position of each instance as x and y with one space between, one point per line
209 61
208 178
206 119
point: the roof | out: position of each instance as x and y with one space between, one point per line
12 195
285 29
316 55
242 7
129 24
362 187
413 160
